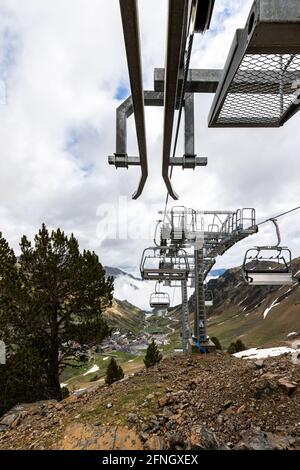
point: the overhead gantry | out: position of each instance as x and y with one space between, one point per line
185 17
258 87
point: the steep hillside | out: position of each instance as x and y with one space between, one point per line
259 315
198 402
125 317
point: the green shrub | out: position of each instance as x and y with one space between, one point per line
65 393
216 343
93 378
236 347
153 355
240 346
232 348
114 372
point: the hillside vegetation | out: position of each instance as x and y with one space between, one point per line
260 315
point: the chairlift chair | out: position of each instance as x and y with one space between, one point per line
269 265
159 300
162 264
208 298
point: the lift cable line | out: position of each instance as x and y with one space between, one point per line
188 53
186 69
278 216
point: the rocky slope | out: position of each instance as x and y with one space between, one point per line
198 402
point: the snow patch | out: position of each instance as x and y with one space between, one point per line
95 368
273 304
240 303
256 353
293 333
105 358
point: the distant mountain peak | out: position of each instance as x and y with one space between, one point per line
117 272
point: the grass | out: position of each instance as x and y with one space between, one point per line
74 376
130 402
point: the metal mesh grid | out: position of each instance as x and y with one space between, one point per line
263 89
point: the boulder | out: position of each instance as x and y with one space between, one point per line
16 415
287 387
87 437
202 438
255 439
259 364
155 443
266 385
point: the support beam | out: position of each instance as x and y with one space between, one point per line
152 98
121 159
198 80
189 127
176 26
130 21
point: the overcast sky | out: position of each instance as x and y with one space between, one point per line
63 65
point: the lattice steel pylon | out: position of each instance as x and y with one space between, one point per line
203 235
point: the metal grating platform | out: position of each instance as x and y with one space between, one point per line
260 86
262 91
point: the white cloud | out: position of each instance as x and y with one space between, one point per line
63 63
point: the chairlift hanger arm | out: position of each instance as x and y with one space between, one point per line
130 21
177 18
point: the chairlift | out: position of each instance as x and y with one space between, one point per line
162 264
209 301
159 300
269 265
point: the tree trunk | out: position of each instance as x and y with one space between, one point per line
53 360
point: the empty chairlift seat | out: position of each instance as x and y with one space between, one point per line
163 264
160 300
209 302
264 266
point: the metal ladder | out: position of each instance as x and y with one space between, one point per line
185 318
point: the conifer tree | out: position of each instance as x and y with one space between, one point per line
153 355
114 372
52 300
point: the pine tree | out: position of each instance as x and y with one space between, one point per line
153 355
114 372
236 347
51 300
232 348
240 346
22 378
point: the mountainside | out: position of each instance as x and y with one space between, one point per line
130 288
259 315
124 316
